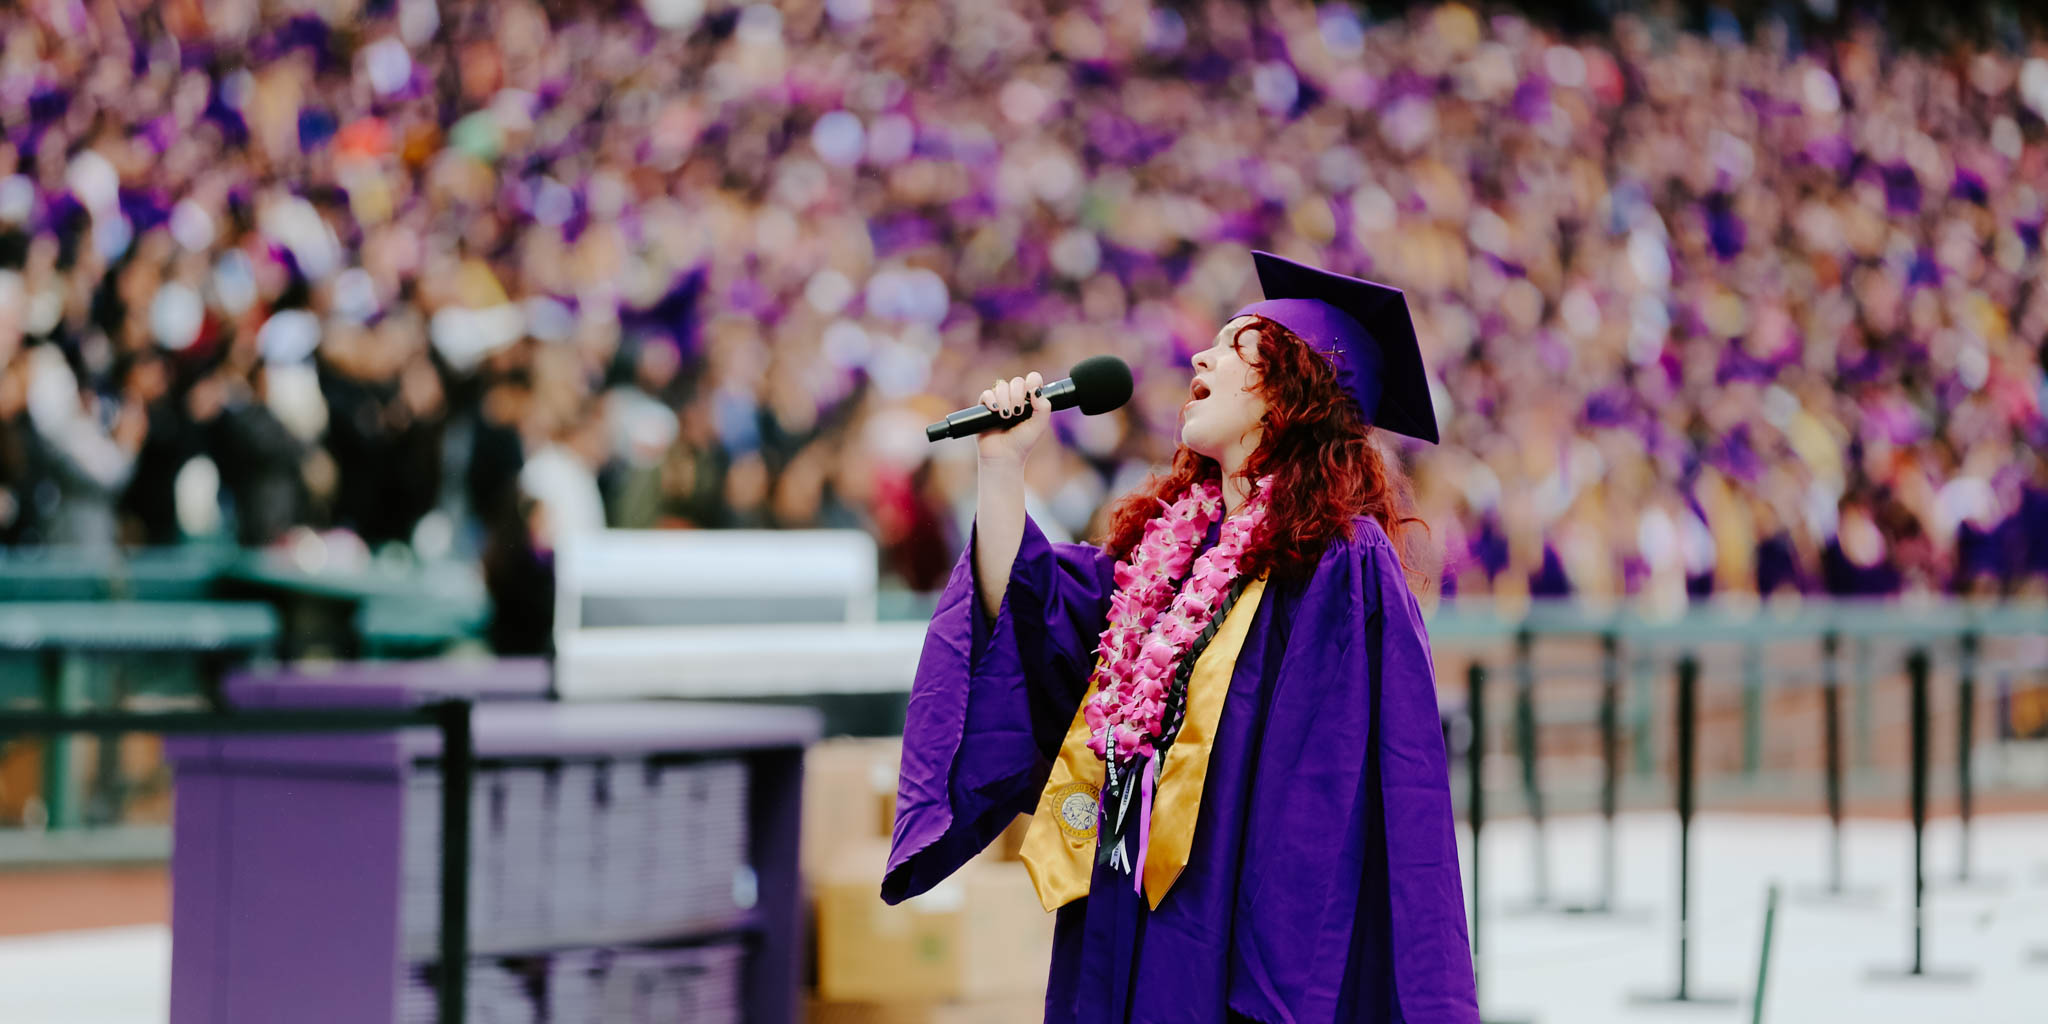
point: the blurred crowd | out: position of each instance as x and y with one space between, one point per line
1710 309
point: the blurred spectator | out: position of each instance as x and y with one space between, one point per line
562 477
385 412
16 481
1857 562
1755 309
85 446
264 464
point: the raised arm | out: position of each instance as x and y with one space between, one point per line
999 492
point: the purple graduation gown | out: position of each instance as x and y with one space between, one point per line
1323 884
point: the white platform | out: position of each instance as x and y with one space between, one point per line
1546 969
737 661
725 613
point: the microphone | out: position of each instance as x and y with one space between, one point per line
1097 384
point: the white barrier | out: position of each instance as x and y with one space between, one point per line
725 613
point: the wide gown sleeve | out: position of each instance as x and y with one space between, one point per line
990 704
1350 902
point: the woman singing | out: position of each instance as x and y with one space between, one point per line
1224 718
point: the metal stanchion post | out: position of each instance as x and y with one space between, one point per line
1475 807
61 695
1688 723
1475 795
1864 711
1752 709
1527 746
1966 745
1610 762
1831 738
1610 776
458 765
1917 670
1763 956
1966 717
1643 710
1831 754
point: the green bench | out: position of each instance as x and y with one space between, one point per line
96 655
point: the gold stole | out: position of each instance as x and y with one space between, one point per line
1059 847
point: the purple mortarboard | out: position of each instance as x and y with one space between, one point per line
1363 329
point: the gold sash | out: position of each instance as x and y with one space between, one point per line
1059 847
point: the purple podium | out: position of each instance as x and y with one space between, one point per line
629 862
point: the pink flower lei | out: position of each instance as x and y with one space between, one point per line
1151 626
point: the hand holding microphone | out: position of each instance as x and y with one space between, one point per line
1012 414
1012 417
1024 415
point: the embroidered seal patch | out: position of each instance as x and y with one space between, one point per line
1076 804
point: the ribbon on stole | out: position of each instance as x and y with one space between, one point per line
1059 846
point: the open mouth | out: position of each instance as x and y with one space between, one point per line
1198 390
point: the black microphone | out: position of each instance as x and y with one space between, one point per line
1097 384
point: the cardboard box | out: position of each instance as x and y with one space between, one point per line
849 797
1017 1010
979 935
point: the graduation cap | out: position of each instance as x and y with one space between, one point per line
1363 329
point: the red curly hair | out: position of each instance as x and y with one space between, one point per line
1319 450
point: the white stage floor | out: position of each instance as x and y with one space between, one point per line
104 976
1584 970
1542 968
